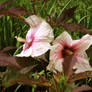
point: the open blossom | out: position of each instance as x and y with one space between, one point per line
64 46
38 38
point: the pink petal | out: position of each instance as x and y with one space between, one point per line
55 52
82 64
82 55
55 58
26 52
45 32
64 37
31 33
39 48
33 20
83 44
58 65
55 66
42 30
74 42
51 66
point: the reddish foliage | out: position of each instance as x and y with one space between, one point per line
7 48
79 76
73 27
68 64
14 11
32 81
66 15
82 88
5 59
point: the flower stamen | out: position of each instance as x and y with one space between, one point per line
67 51
21 39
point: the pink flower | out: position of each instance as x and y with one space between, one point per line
64 46
38 38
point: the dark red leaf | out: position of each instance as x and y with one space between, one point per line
26 61
27 69
68 64
73 27
82 88
30 62
17 10
5 4
14 11
80 76
31 82
7 60
66 15
7 48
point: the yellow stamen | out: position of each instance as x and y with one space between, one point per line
21 39
69 52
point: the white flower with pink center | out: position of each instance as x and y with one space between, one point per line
38 38
64 46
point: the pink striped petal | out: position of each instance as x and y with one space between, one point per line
55 66
64 37
26 52
39 48
82 65
33 20
45 32
55 58
55 53
83 44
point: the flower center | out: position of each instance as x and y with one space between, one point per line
67 51
30 43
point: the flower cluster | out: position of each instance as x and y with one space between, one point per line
38 40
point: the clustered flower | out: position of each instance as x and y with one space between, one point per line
38 40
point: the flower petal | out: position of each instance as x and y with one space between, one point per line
42 30
55 58
45 32
31 33
33 20
58 65
82 65
55 52
64 37
55 66
74 42
39 48
25 52
82 55
83 44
